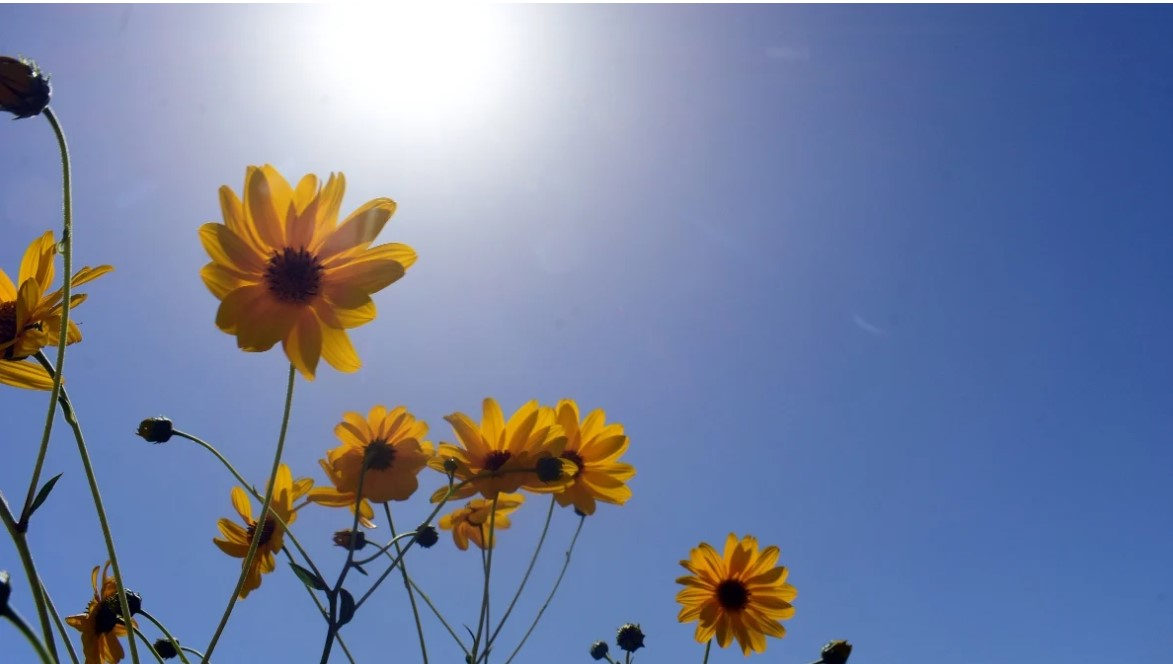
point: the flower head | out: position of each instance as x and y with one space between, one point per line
236 540
836 652
630 637
474 520
30 316
389 445
741 594
100 625
24 89
285 270
500 456
595 447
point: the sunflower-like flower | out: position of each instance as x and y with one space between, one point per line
100 625
285 270
472 522
595 447
500 456
389 444
236 540
741 594
30 316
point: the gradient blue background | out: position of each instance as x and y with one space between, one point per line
888 287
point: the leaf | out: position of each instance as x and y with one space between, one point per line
358 568
346 611
43 494
308 578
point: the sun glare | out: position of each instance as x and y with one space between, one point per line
421 64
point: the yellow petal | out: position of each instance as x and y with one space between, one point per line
303 346
359 229
7 288
88 274
226 248
370 276
260 198
338 351
222 281
242 504
38 261
25 375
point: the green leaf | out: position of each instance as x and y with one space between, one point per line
346 611
308 578
43 494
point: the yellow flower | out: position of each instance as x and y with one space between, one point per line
595 448
392 446
99 625
500 456
740 595
30 316
285 270
471 522
236 539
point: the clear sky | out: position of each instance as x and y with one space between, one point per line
889 287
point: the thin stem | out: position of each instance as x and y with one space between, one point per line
24 628
30 572
252 546
193 651
483 619
550 597
387 547
167 634
708 647
428 601
419 627
332 631
70 415
150 646
532 561
63 337
321 609
60 625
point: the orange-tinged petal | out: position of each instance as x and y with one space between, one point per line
369 276
360 228
227 248
260 199
305 192
303 346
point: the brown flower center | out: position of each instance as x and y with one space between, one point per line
7 327
576 458
266 530
732 595
496 459
293 275
105 618
379 455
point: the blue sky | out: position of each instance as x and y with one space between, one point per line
888 287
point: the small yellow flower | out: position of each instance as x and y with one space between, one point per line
741 594
99 625
391 445
236 540
30 316
472 521
595 448
500 456
285 270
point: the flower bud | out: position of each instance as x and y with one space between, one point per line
350 539
630 637
165 649
836 652
5 590
155 429
450 465
24 90
426 536
599 649
549 469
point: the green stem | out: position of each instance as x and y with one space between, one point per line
708 646
419 627
532 561
150 646
21 625
334 594
167 634
322 610
193 651
550 597
30 572
70 415
252 546
60 625
439 616
487 550
387 547
62 341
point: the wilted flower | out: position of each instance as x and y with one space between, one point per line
24 89
155 429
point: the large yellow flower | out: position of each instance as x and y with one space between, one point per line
236 540
500 456
30 316
99 626
391 445
595 448
741 594
285 270
472 522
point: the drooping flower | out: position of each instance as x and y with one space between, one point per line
595 447
100 625
472 522
285 270
30 316
500 456
390 444
236 540
741 595
24 88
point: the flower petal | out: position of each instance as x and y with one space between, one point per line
360 228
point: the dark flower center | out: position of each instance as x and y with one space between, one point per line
266 530
106 618
293 275
732 595
496 460
379 455
7 326
576 458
